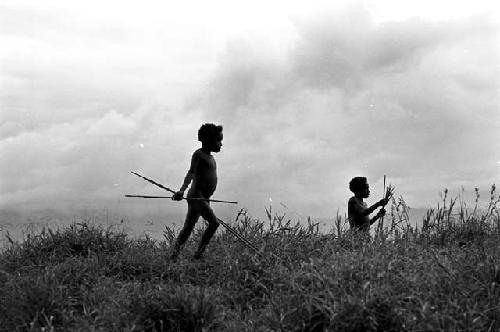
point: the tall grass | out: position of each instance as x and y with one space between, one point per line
442 276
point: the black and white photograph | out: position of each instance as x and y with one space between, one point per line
235 165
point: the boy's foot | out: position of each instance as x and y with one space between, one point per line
199 253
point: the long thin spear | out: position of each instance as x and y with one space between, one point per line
186 198
153 182
239 236
244 240
381 220
173 192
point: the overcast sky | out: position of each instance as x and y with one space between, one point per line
309 94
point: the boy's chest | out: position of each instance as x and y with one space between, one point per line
356 203
207 162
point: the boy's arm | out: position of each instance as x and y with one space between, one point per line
383 202
370 210
188 178
379 215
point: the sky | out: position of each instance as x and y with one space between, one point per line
310 94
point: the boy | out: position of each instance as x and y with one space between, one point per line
357 210
203 174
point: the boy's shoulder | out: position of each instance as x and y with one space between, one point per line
200 154
355 200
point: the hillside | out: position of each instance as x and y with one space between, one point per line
442 277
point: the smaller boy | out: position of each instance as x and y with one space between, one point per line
357 210
203 174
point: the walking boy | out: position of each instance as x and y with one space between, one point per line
357 210
203 175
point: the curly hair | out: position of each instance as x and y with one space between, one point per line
357 183
209 132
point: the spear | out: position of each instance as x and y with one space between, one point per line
186 198
239 236
173 192
388 193
245 241
153 182
381 220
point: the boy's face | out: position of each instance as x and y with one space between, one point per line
217 144
365 191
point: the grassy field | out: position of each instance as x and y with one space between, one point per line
444 276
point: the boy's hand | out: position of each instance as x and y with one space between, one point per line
178 196
383 202
381 213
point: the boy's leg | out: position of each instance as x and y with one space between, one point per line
192 216
208 214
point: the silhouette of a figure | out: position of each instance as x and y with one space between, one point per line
357 210
203 175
